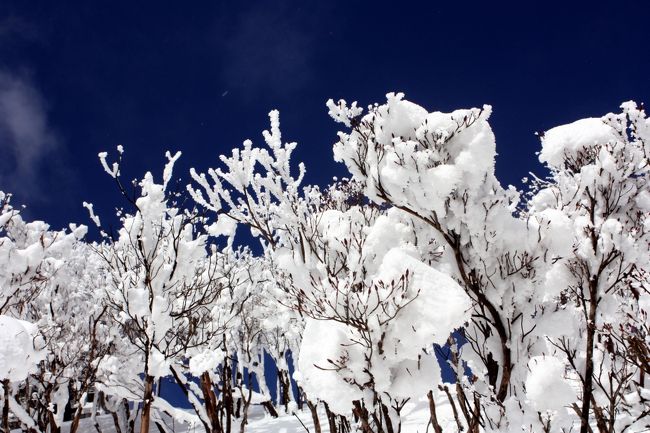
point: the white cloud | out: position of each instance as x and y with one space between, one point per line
26 139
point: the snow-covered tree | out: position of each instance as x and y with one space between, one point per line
438 170
354 287
163 280
537 300
70 314
598 194
429 229
218 364
35 371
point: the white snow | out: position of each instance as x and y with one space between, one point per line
568 140
546 385
21 348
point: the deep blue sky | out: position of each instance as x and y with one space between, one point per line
79 77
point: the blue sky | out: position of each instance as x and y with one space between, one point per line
77 78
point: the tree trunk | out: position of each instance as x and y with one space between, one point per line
125 414
129 419
376 419
361 414
5 407
344 424
121 416
389 423
285 396
434 415
314 415
238 408
270 408
587 387
210 402
116 422
54 428
228 401
146 406
331 418
246 401
76 418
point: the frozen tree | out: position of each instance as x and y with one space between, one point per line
281 333
73 319
31 253
69 314
231 366
21 351
361 296
244 341
598 191
32 259
217 364
438 169
424 226
537 300
163 280
519 269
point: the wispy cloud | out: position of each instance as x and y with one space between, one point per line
26 138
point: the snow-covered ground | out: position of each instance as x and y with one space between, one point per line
416 417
